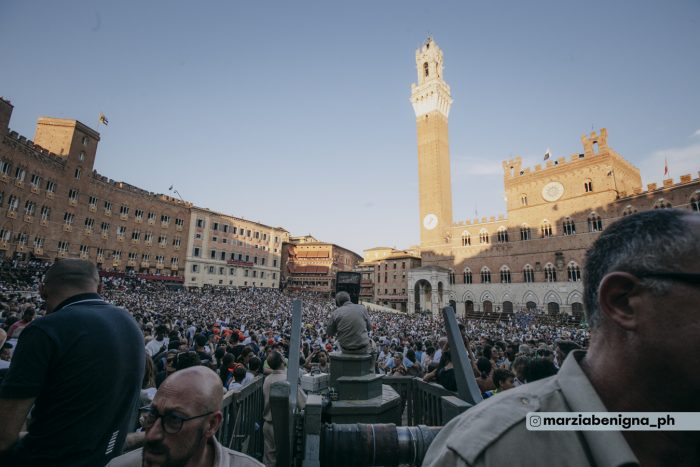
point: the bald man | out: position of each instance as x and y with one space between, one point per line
181 423
81 367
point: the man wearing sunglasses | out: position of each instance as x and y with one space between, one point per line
642 296
181 423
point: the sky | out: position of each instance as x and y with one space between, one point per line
297 114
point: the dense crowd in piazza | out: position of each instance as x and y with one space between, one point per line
261 318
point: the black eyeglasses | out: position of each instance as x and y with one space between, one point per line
692 278
170 422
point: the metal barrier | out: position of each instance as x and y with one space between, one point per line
422 402
241 428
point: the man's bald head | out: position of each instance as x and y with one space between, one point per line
72 273
197 385
67 278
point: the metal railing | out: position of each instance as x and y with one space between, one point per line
241 428
421 401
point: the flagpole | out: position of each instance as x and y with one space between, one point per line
615 182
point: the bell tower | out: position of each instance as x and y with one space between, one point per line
431 102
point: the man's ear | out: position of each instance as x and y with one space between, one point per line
214 424
615 297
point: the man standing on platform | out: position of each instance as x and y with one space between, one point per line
350 322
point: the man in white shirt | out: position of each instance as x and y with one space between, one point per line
160 341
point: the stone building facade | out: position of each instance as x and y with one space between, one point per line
309 264
54 205
232 252
533 257
391 279
385 276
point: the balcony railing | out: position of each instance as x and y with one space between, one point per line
425 403
241 427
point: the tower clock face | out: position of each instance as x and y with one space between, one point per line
430 221
552 191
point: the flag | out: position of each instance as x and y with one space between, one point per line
103 119
665 167
547 154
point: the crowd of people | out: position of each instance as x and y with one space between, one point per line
242 333
236 332
141 333
234 327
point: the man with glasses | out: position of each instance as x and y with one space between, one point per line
641 292
81 367
181 423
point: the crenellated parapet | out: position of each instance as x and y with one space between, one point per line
29 147
595 145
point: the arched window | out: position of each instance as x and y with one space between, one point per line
695 202
485 275
546 229
550 274
469 306
662 204
628 210
505 274
466 239
451 276
588 186
523 199
573 272
484 236
595 224
528 274
524 232
467 276
22 239
502 235
425 68
569 227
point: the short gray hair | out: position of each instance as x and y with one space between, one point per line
653 240
341 298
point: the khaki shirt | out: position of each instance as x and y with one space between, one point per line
223 457
351 323
493 433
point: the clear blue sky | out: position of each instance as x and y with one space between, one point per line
313 97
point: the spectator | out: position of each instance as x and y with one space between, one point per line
159 343
17 328
502 380
539 368
239 375
484 380
350 322
279 373
519 367
181 423
444 373
81 412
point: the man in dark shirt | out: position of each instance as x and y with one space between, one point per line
81 366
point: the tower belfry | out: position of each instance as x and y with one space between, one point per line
431 103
